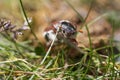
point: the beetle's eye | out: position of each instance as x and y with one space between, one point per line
63 31
47 36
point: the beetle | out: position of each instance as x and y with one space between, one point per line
67 30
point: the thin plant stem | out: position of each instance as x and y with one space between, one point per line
10 74
25 16
91 6
47 53
81 18
111 47
91 51
104 47
96 19
90 42
17 60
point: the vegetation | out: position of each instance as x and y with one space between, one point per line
29 59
